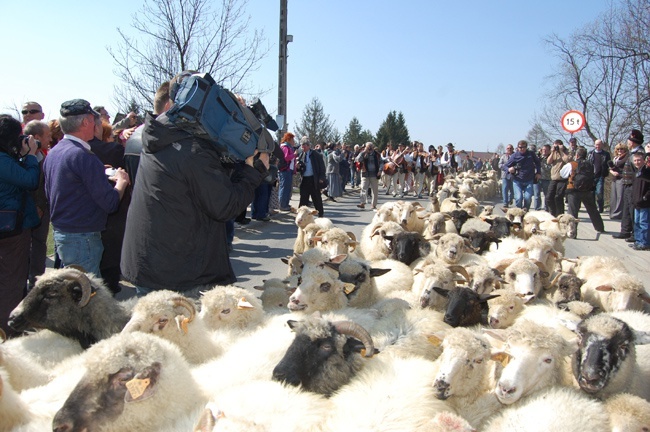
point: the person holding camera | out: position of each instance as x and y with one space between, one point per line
557 187
507 191
634 145
525 169
312 167
78 190
616 166
19 174
370 166
600 159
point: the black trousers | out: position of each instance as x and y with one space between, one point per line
555 197
627 220
309 188
576 198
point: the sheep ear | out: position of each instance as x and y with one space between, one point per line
501 357
143 385
333 265
641 337
520 250
498 335
644 296
436 338
285 260
485 298
338 259
292 324
374 272
244 304
527 298
605 288
441 291
314 212
207 421
388 237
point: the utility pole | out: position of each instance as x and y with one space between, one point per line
282 70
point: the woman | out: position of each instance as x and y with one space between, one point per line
286 173
616 192
19 174
333 172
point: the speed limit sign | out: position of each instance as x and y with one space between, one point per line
573 121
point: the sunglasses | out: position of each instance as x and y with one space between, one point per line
31 111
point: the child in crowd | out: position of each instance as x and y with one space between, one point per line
641 200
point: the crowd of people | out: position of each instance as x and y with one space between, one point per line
144 200
576 176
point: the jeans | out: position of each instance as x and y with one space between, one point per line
600 192
641 220
286 187
82 249
523 193
260 204
537 193
507 192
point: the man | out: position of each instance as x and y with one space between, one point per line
450 159
634 145
175 235
312 167
545 179
32 111
577 195
641 201
573 147
507 192
599 158
556 188
370 166
525 169
38 253
126 122
77 189
421 164
402 159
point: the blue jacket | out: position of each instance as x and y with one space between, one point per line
16 178
527 165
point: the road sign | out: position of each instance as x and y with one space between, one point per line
573 121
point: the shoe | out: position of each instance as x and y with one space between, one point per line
374 207
601 231
630 239
620 236
638 247
361 206
244 221
419 196
285 209
263 219
332 199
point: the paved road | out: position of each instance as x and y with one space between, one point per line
259 245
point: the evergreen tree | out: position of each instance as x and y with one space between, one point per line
354 135
392 131
315 124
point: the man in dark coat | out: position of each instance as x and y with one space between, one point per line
312 167
176 227
599 159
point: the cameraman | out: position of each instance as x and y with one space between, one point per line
557 187
525 167
17 178
175 235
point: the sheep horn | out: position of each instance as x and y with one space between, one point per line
353 242
461 270
77 274
3 335
502 265
187 304
355 330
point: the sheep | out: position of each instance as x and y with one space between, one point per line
523 276
373 246
554 409
324 355
171 316
230 307
533 358
434 203
448 205
399 279
464 307
362 289
464 374
530 226
486 212
476 224
387 212
304 217
628 413
409 217
568 225
613 356
503 310
407 246
516 215
436 223
276 293
135 381
483 278
500 225
471 206
31 360
614 291
446 421
336 241
72 303
458 218
566 288
540 248
454 249
480 241
430 274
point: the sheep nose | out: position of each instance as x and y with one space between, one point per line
63 427
451 320
441 385
17 322
506 389
494 322
294 300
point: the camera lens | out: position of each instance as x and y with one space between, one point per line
38 144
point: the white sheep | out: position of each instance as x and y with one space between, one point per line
304 217
614 291
432 273
336 241
276 293
523 276
504 309
230 307
628 413
171 316
411 216
373 245
436 223
483 279
399 278
454 249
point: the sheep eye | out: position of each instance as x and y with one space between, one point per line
511 307
324 242
478 361
512 275
225 311
327 346
548 360
51 294
361 277
325 287
564 287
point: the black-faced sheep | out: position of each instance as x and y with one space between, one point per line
408 246
500 225
480 241
430 274
72 303
464 307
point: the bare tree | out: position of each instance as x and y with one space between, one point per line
177 35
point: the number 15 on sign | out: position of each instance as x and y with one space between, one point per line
573 121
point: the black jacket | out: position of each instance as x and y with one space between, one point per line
175 231
317 164
641 189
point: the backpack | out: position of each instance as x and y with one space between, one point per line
583 180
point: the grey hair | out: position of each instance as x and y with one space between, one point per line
35 127
72 123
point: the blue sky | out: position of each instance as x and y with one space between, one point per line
469 72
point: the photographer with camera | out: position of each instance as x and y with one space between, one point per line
19 174
525 168
312 167
600 159
557 187
186 191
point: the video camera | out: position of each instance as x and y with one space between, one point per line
207 110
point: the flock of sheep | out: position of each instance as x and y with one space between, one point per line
444 318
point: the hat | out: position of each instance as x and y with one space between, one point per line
305 140
77 107
431 147
636 136
573 140
450 145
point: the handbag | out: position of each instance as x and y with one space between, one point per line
11 221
